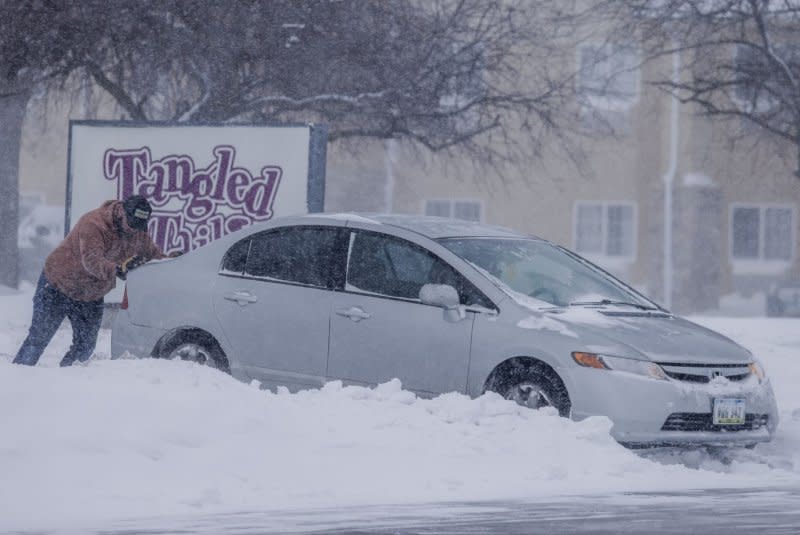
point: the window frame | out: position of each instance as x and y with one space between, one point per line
451 203
603 255
753 264
338 256
351 240
766 102
606 104
222 270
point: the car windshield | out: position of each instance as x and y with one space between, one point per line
541 270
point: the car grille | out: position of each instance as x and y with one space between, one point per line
693 421
703 373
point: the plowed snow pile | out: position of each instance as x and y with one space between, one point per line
114 439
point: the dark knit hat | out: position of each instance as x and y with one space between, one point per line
137 210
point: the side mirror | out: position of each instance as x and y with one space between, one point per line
439 295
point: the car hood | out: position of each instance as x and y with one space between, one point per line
658 336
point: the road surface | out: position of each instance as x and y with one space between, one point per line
761 511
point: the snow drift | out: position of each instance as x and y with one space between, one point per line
88 445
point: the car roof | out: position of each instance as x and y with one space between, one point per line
430 226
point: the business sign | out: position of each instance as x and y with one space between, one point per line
203 181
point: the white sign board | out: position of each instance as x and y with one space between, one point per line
202 181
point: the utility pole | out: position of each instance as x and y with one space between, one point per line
12 112
669 179
389 161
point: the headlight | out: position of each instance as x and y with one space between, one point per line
607 362
757 369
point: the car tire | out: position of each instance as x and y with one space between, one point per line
196 348
534 386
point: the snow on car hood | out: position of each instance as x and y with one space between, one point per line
654 334
658 336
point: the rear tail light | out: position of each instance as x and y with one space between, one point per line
124 304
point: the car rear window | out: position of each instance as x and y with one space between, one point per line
236 257
301 255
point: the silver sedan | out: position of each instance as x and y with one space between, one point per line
445 306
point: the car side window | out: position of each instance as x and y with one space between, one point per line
303 255
236 257
393 267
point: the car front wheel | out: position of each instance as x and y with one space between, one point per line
196 347
529 394
534 387
193 353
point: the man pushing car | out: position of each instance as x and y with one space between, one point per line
104 244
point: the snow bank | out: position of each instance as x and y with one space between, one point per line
776 343
146 437
85 446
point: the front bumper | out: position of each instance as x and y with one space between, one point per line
649 412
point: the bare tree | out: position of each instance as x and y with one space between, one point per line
464 75
12 113
741 58
442 73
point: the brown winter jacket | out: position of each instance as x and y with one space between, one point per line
83 267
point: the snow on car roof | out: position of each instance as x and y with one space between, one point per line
347 216
429 226
440 227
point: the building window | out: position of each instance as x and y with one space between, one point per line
608 76
762 232
757 85
605 229
462 209
608 86
463 72
751 72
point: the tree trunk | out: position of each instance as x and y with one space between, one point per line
12 113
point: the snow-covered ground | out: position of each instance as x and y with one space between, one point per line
86 446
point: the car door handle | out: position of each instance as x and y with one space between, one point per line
241 297
354 313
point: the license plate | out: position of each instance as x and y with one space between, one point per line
729 411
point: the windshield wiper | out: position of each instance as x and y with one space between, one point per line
613 302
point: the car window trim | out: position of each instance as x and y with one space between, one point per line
477 309
221 270
351 240
274 281
336 277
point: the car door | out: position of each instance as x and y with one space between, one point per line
273 298
379 328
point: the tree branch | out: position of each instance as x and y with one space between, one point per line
117 92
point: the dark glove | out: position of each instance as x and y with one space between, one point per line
134 262
131 263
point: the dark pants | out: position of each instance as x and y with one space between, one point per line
50 307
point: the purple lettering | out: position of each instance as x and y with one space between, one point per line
169 233
237 185
179 171
223 155
126 167
193 205
236 222
154 189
